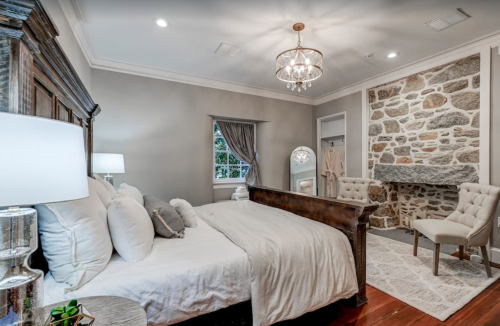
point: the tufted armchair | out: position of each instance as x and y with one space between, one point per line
354 189
469 225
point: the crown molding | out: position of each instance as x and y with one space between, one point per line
458 52
77 22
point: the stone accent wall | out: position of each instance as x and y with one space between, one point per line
428 119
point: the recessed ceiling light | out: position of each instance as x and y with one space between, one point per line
160 22
392 55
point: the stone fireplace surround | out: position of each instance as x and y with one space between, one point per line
424 142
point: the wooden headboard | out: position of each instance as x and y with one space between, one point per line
38 79
348 216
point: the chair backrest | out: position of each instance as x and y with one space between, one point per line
354 189
477 205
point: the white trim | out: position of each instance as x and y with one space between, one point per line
495 255
78 25
365 115
77 22
229 185
319 155
484 118
444 57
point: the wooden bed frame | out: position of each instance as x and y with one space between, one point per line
348 216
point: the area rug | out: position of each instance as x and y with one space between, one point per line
392 268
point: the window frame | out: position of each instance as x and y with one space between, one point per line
228 180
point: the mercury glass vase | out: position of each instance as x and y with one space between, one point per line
21 288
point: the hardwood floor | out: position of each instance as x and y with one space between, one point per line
381 310
384 310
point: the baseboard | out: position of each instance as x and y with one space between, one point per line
495 255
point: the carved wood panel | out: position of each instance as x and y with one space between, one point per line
63 113
43 101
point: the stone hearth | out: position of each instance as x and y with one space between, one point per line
424 142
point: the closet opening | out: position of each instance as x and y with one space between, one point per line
331 145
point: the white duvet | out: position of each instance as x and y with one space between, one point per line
181 279
298 265
290 265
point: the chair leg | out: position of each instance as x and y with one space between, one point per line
437 248
486 261
415 244
461 252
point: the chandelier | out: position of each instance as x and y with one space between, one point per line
300 66
301 156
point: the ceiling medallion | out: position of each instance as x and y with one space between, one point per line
301 156
300 66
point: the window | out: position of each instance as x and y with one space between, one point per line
227 167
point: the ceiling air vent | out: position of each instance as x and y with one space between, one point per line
452 18
227 49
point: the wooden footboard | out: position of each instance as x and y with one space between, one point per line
348 216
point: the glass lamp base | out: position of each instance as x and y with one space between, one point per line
21 288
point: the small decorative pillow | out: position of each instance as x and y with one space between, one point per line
131 229
109 187
166 220
133 192
101 191
186 212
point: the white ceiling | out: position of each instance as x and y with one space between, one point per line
343 30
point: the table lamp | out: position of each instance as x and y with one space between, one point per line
108 163
43 161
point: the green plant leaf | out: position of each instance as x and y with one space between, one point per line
65 315
72 303
73 311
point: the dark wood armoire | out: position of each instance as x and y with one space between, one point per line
36 77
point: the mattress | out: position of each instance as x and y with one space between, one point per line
181 279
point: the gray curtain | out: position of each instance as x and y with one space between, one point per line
240 138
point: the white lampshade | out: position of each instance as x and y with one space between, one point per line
108 163
42 161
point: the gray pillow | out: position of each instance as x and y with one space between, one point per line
155 207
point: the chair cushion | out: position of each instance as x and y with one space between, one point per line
354 189
441 231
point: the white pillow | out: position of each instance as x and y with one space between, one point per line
131 228
186 211
101 192
75 239
133 192
109 187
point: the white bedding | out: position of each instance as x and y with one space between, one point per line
298 265
181 279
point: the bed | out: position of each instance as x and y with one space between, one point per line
211 269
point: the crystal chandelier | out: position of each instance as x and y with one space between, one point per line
300 66
301 156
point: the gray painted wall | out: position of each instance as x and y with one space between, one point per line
164 129
68 41
495 134
352 105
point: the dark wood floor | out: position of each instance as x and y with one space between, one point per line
381 310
